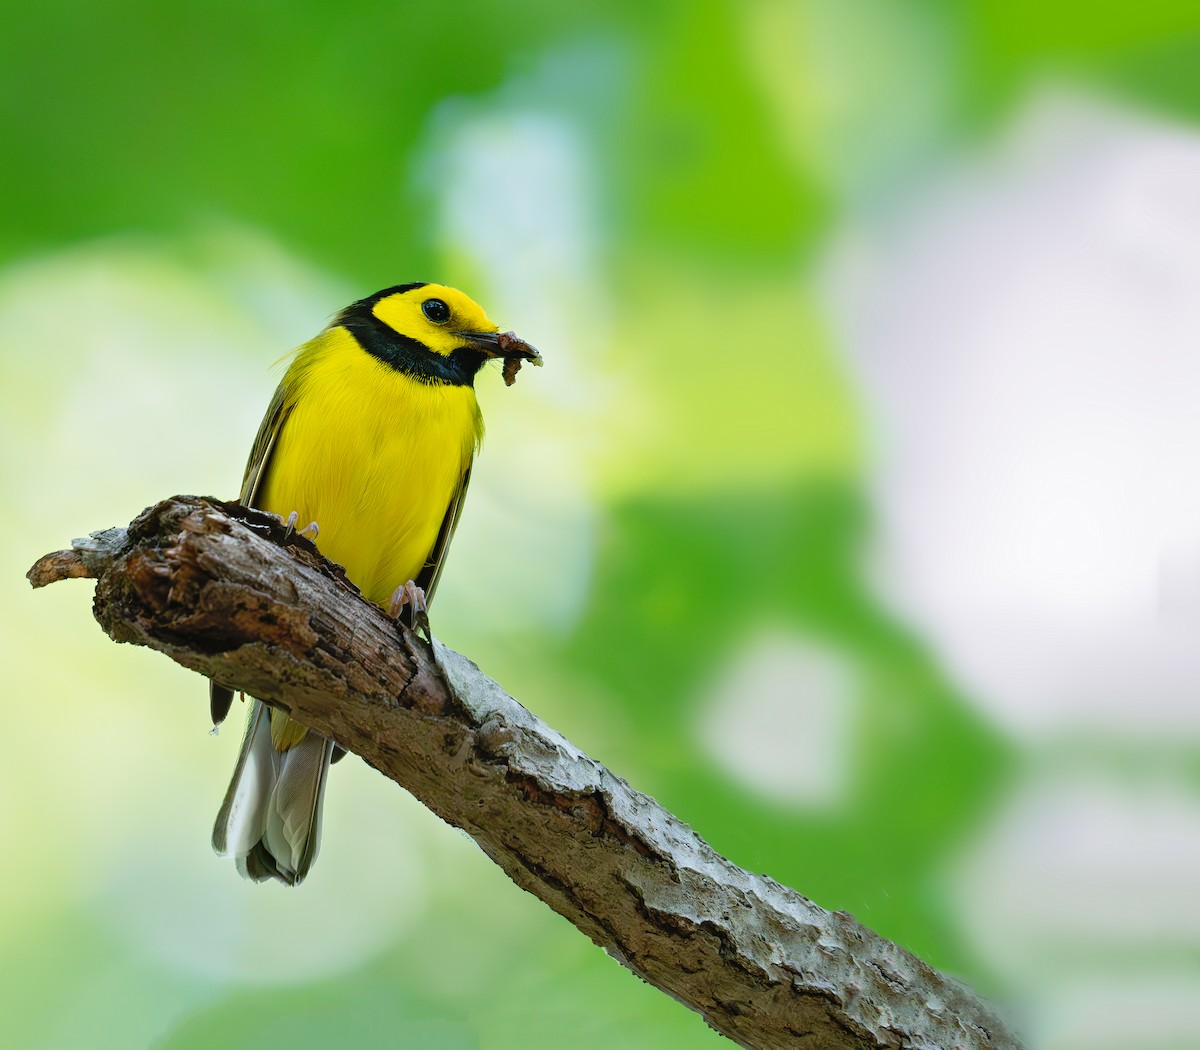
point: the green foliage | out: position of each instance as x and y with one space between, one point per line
205 157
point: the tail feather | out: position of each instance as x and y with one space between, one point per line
242 818
270 821
220 700
293 831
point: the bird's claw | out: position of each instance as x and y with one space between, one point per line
413 597
311 530
407 594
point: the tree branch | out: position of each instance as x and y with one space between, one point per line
212 586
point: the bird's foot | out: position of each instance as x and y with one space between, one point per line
407 594
414 597
311 530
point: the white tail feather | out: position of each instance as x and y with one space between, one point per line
294 813
270 821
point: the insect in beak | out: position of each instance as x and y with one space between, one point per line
513 349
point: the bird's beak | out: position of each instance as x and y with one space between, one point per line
504 344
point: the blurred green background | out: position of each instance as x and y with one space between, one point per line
834 521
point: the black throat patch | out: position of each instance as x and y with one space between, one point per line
403 353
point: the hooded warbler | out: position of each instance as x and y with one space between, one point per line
371 436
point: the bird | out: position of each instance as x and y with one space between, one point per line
371 436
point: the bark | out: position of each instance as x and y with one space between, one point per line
216 588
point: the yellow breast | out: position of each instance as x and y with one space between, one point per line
372 456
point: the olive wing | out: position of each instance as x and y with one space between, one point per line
220 698
432 571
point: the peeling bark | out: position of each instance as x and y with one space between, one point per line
213 586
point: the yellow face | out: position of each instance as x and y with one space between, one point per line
439 316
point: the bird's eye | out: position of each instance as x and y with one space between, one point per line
436 310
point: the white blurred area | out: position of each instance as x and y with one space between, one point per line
780 717
1026 337
1069 861
1082 894
516 212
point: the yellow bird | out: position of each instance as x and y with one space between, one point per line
371 436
